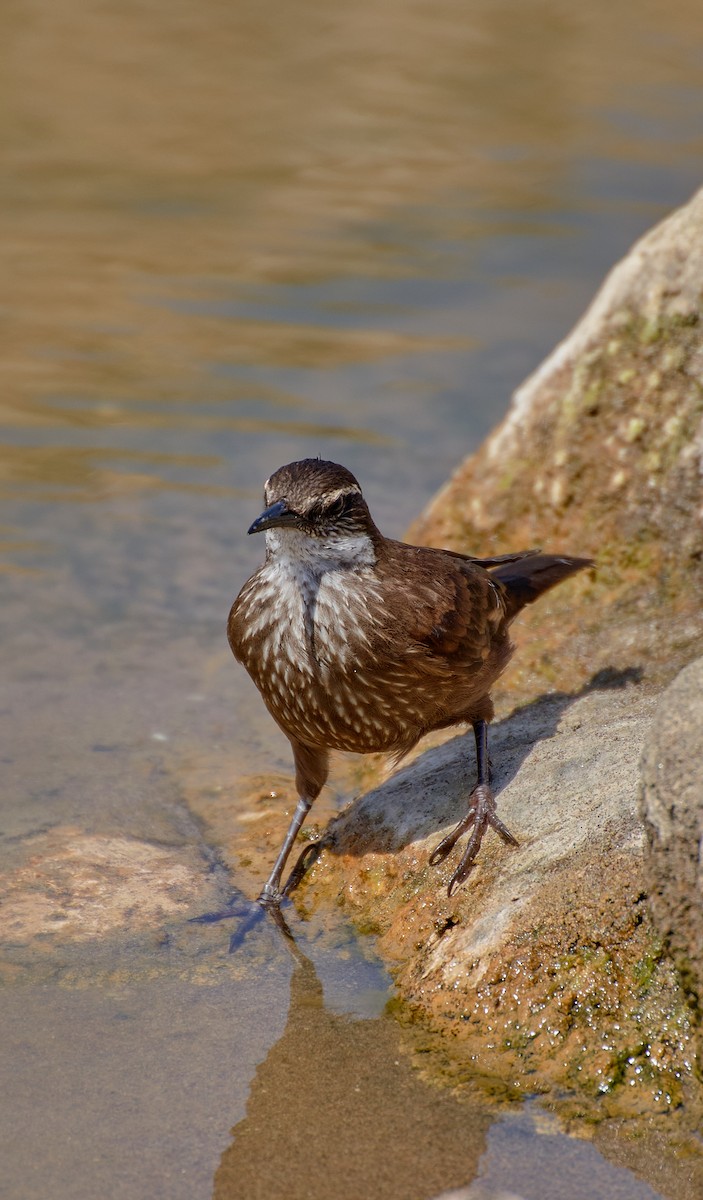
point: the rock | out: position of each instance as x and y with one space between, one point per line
672 809
101 910
76 887
602 453
545 970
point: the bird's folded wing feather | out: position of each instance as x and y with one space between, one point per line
450 607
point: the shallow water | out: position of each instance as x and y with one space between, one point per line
233 236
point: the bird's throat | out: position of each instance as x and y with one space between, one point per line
297 552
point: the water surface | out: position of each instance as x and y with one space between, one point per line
234 235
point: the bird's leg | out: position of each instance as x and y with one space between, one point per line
271 892
481 814
311 768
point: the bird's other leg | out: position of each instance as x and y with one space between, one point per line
481 814
311 770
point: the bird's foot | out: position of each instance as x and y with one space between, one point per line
272 896
249 914
237 907
267 906
481 814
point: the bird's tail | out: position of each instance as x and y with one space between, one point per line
526 579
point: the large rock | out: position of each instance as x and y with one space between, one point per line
602 452
672 808
546 969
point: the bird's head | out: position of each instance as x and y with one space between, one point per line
315 509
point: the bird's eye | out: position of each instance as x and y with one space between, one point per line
321 514
337 508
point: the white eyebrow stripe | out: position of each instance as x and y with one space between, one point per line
349 489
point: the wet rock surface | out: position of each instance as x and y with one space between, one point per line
546 970
672 809
91 909
82 886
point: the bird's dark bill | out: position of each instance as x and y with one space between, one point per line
277 514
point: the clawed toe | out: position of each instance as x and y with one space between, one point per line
495 823
481 814
448 843
237 908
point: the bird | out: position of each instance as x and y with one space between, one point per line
358 642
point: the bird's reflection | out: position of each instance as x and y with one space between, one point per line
337 1111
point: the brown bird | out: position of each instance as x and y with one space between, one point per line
358 642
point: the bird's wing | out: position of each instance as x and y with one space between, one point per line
450 608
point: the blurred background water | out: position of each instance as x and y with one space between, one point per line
237 234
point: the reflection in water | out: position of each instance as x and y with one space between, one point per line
334 1108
